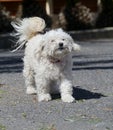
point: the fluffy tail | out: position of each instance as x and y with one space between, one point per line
27 28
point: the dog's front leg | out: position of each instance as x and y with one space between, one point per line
42 88
66 91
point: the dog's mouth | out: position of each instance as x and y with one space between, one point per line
61 52
62 49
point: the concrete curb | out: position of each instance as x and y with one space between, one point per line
7 41
92 34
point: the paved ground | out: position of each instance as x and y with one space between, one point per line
93 90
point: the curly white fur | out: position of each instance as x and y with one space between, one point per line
47 61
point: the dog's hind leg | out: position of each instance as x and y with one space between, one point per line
29 80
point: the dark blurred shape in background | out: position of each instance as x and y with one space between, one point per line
67 14
105 17
5 20
76 16
32 8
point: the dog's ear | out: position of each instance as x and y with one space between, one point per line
75 47
38 51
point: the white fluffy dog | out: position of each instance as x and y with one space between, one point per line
47 60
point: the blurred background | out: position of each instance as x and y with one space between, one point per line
68 14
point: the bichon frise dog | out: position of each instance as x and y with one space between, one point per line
47 60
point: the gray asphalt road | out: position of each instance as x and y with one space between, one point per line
93 90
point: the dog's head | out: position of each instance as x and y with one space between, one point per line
57 44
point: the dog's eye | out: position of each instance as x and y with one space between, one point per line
63 39
52 40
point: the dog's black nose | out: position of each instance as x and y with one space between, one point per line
60 44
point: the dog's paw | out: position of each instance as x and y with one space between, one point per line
31 90
67 98
44 97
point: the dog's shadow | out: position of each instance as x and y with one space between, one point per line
80 94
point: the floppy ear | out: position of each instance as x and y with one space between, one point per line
75 47
38 51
